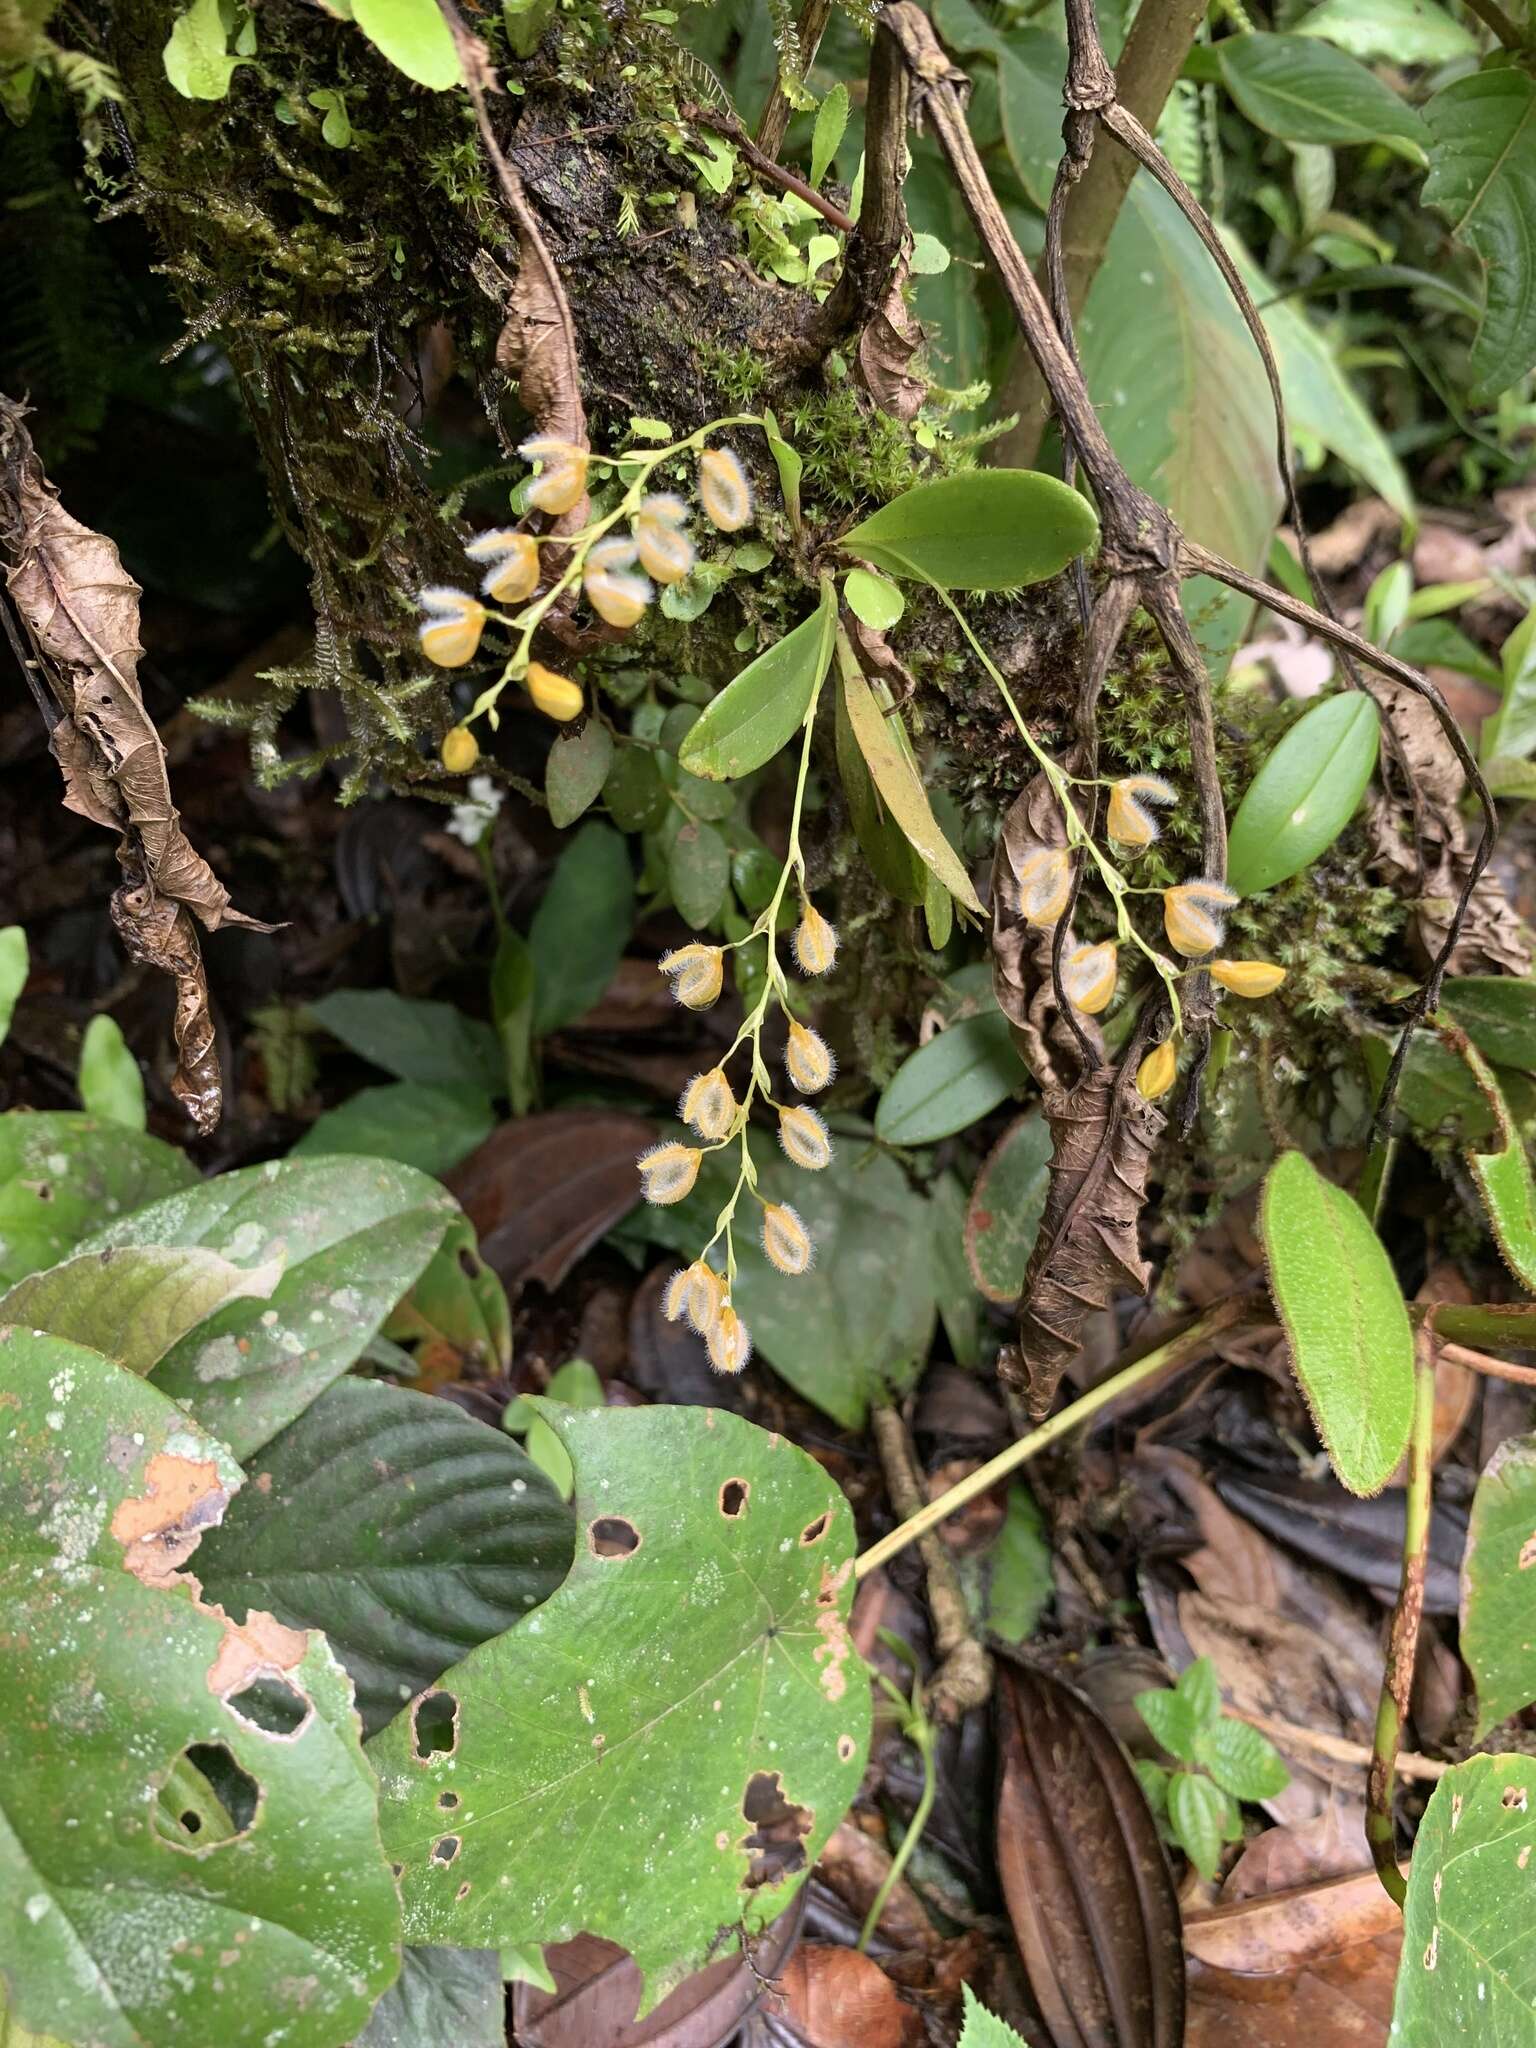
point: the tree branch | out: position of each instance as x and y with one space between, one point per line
809 30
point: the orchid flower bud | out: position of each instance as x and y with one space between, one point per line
1155 1075
562 477
668 1172
815 942
786 1240
808 1059
804 1138
1252 978
1128 820
1193 915
697 973
555 695
709 1105
724 491
451 633
460 750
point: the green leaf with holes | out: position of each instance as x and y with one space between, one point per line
63 1176
1469 1968
355 1234
1305 793
987 529
438 1531
1350 1340
765 706
1498 1585
1305 90
690 1715
1482 177
259 1887
133 1303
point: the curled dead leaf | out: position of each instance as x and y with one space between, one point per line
836 1998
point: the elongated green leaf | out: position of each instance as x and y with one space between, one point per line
414 37
1511 733
1350 1340
856 1328
62 1176
1196 1812
430 1128
111 1085
13 973
355 1235
882 741
690 1717
1402 31
118 1931
133 1303
411 1039
1503 1176
438 1532
1498 1013
765 706
988 529
576 770
443 1998
1305 793
1468 1971
1304 90
892 860
1498 1585
831 120
1002 1219
581 927
951 1082
1482 176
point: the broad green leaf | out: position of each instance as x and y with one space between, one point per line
959 1308
1031 65
1427 642
1515 780
413 35
1197 1812
133 1303
63 1176
581 927
1498 1013
759 712
196 61
881 739
874 599
1437 1091
634 792
1469 1969
1503 1176
698 873
459 1301
1304 90
116 1932
443 1998
1002 1219
1482 177
110 1083
13 973
576 770
983 2029
1350 1341
986 529
892 860
1401 31
856 1328
831 120
430 1128
412 1039
438 1534
1305 792
1511 732
950 1083
1171 1719
688 1708
1498 1584
1240 1760
526 21
355 1234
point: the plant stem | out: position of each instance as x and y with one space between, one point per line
921 1737
964 1677
1493 16
1402 1646
1177 1351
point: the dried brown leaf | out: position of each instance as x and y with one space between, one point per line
1084 1874
1299 1969
836 1998
542 1189
1021 952
1331 1844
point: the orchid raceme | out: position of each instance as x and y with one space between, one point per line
1194 916
697 974
808 1059
1089 976
786 1240
555 695
1045 883
709 1105
1156 1074
1128 820
1252 978
562 479
724 491
804 1137
668 1172
815 942
450 634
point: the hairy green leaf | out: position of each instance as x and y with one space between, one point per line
133 1303
1305 792
1503 1176
1171 1719
1498 1584
439 1533
986 529
1482 177
1350 1341
122 1926
761 710
63 1175
690 1717
1498 1013
1240 1759
1304 90
950 1083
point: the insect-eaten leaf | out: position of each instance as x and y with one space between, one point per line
439 1533
988 529
1304 794
691 1716
761 709
1350 1340
191 1849
1498 1585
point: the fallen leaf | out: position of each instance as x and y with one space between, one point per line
1331 1844
836 1998
1083 1872
542 1189
1300 1969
